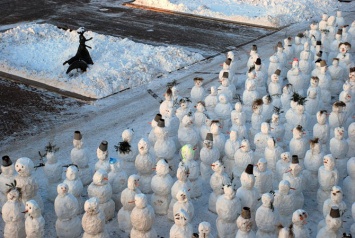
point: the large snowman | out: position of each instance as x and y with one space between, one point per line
93 221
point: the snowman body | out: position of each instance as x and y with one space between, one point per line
117 178
144 163
187 133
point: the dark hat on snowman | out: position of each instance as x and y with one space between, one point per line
258 61
249 169
277 72
319 53
340 32
254 48
225 75
295 159
198 79
161 123
6 161
336 59
323 63
157 117
319 42
300 35
209 136
77 135
246 213
103 146
352 69
228 61
334 212
279 44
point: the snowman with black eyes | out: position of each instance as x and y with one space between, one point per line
34 224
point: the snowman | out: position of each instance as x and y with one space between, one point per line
245 224
327 178
144 163
273 66
27 182
66 208
79 156
282 57
298 229
34 223
337 117
338 148
284 202
286 95
173 123
142 218
188 154
219 139
295 176
226 88
339 20
324 82
250 76
228 206
231 146
93 221
217 181
272 154
204 230
321 48
295 77
274 89
223 111
161 185
211 101
249 95
199 115
306 59
154 123
225 72
182 182
263 177
298 46
102 156
7 176
242 157
349 181
260 140
337 75
126 152
321 129
256 118
323 23
312 104
260 77
345 58
267 217
117 177
183 202
197 91
346 37
238 121
182 227
288 48
75 186
298 144
101 189
268 106
349 108
351 82
12 213
314 31
312 162
184 108
333 224
187 133
351 140
207 155
168 101
316 69
283 165
334 44
253 55
314 84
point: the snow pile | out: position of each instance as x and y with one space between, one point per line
273 13
37 52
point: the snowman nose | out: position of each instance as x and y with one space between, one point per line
288 171
25 211
292 188
154 168
105 179
150 123
133 201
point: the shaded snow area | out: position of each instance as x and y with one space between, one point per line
37 52
272 13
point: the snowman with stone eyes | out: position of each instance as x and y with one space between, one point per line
182 227
93 221
245 224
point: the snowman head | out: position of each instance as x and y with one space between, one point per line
62 189
247 178
102 152
127 135
314 81
217 166
215 126
257 106
273 59
299 217
225 82
338 107
299 108
140 200
168 95
187 153
339 14
306 46
322 117
200 106
295 169
198 82
7 167
352 74
91 206
271 143
213 91
287 89
208 142
279 46
324 17
160 131
250 85
155 120
238 120
133 180
204 229
351 131
286 156
284 187
335 62
339 133
244 145
262 165
251 74
181 218
170 110
297 132
72 173
257 64
32 209
115 164
244 222
333 219
182 173
336 195
229 191
222 99
100 177
314 26
182 195
346 86
77 140
267 199
342 48
345 97
350 167
24 166
315 146
13 193
143 146
187 120
264 128
267 99
238 106
275 118
184 103
329 162
274 78
233 135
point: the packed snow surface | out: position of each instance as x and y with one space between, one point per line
37 52
271 13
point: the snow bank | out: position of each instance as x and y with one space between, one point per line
37 52
272 13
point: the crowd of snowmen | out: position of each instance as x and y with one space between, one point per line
290 132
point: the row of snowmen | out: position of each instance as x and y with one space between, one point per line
227 165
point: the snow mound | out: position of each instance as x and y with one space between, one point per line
271 13
37 52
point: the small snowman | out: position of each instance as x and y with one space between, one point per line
281 55
339 19
223 111
231 146
274 88
66 208
272 154
327 178
144 164
204 230
337 75
312 104
334 44
101 189
184 108
183 202
168 100
349 181
295 77
344 56
333 224
249 95
217 181
298 144
312 162
102 156
197 91
268 106
253 55
188 154
12 213
154 123
351 140
219 139
306 58
323 23
337 117
142 218
117 177
228 206
187 133
338 148
324 82
242 157
173 123
267 217
256 118
208 154
127 200
199 115
27 182
182 227
263 177
284 202
277 129
211 100
75 186
298 47
260 140
321 129
238 121
226 88
245 224
161 185
34 224
283 165
288 48
297 228
93 221
79 156
260 77
205 128
7 176
286 95
126 152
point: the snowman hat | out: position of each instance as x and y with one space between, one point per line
314 141
352 70
339 104
319 42
334 212
228 61
77 135
337 59
209 136
198 79
277 72
157 117
295 159
161 123
6 161
323 63
254 48
318 60
249 169
113 160
246 213
103 146
258 61
279 44
225 75
340 31
319 53
300 35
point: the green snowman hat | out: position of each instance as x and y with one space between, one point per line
187 151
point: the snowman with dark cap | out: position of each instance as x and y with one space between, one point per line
7 176
102 156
